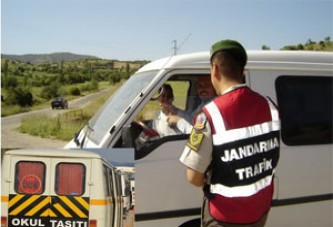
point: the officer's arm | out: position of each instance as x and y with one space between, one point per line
194 177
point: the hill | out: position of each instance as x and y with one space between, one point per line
46 58
310 45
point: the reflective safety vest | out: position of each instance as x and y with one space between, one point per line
245 134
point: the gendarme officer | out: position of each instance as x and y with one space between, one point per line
233 149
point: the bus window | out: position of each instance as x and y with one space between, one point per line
30 177
70 179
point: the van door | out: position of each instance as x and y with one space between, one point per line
70 192
119 199
111 208
29 200
172 200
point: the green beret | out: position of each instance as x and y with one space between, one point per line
229 46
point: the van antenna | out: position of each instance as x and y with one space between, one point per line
175 48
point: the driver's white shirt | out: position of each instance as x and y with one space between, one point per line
160 125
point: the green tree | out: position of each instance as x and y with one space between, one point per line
50 91
19 96
115 77
24 97
300 47
5 68
264 47
9 82
75 91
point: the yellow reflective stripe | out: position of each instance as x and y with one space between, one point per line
82 202
39 206
71 205
14 200
62 210
24 205
48 213
52 214
100 202
4 199
45 213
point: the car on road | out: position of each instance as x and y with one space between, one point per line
59 102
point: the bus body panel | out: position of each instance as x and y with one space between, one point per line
54 188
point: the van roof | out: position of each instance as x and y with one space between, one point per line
53 152
256 59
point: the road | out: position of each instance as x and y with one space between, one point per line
11 138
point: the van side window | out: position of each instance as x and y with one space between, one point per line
30 177
305 105
70 179
180 93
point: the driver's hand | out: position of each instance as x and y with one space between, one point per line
168 109
173 120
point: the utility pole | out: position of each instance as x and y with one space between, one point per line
175 48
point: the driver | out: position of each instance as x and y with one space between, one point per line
160 123
182 120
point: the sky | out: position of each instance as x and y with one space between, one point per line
149 29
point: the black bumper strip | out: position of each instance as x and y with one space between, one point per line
197 211
167 214
299 200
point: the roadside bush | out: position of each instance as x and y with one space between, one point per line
19 96
91 86
115 77
50 91
9 82
62 91
75 91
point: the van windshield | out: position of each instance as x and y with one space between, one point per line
102 121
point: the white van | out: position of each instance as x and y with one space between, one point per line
59 188
299 82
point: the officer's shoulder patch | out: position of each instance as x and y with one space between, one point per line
195 139
200 121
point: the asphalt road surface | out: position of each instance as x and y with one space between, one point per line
11 138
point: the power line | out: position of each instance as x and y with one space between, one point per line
175 48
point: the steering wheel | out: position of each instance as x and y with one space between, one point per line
149 132
144 135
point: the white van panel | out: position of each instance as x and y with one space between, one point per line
302 215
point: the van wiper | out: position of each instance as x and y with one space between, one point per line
90 128
76 135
